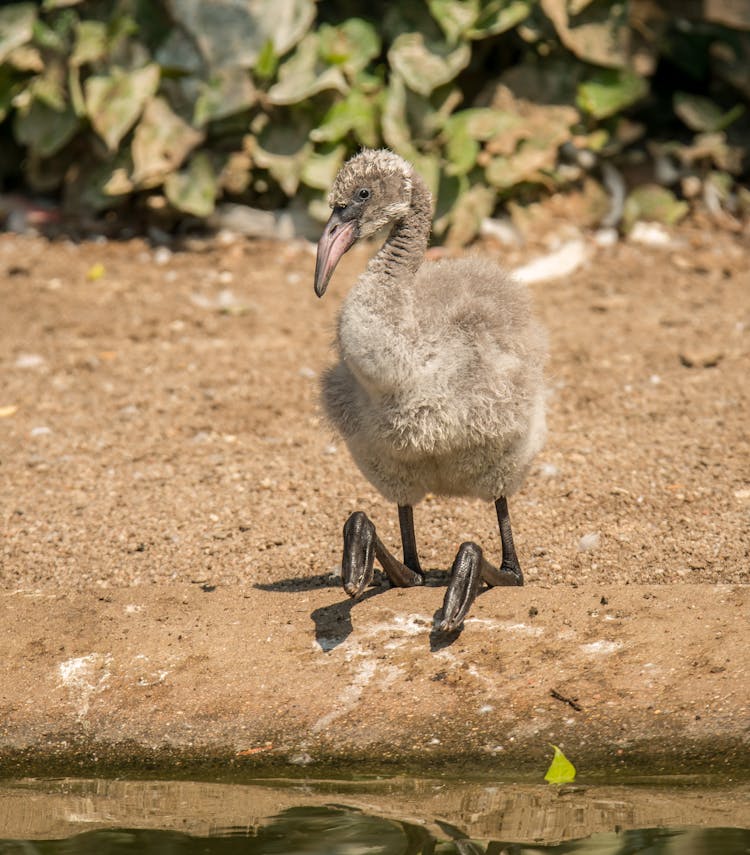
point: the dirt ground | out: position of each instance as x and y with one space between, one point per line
159 427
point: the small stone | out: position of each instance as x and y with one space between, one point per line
29 360
162 255
701 358
650 234
606 237
589 542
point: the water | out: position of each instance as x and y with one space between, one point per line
371 817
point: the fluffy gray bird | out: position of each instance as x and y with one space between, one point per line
439 384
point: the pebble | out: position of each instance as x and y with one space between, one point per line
29 360
701 358
162 255
589 542
606 237
650 234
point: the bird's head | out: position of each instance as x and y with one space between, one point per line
372 190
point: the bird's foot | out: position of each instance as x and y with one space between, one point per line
466 576
467 573
361 547
359 553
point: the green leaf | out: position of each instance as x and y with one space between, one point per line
115 101
465 129
561 770
450 189
397 134
49 87
461 148
161 142
702 114
283 148
231 33
229 91
499 16
178 55
53 38
320 169
454 17
193 190
8 88
267 61
356 114
599 35
655 204
351 45
395 122
609 91
471 208
303 76
16 26
94 185
91 42
43 129
427 65
59 4
528 163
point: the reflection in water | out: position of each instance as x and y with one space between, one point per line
342 831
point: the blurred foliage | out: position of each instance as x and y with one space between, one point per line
176 104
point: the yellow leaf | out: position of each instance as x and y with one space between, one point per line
95 272
561 770
8 411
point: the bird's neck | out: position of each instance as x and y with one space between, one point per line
404 249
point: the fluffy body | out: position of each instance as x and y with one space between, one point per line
439 385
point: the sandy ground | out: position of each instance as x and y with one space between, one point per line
161 447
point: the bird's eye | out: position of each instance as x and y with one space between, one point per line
364 193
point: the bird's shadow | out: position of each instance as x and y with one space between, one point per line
333 624
439 639
296 584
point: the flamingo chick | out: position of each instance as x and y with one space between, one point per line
439 383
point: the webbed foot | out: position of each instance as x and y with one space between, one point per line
466 576
359 553
362 545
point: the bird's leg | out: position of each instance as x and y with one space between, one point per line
509 572
362 545
470 567
408 539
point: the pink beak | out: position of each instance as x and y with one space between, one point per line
338 236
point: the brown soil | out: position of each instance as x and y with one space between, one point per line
157 431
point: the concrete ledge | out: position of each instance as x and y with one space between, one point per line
647 677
